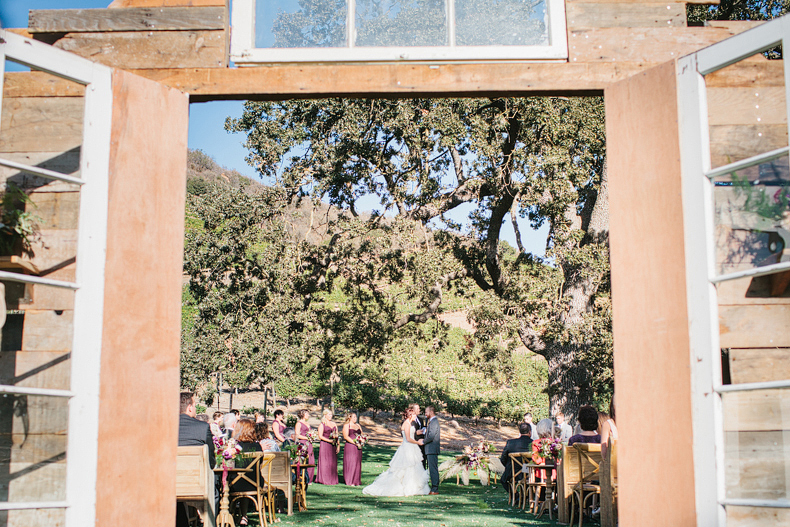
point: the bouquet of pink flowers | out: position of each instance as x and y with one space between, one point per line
361 441
547 448
312 435
298 452
225 450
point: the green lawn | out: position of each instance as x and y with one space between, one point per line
455 506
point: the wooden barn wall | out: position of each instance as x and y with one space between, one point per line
142 304
650 321
747 116
42 118
179 43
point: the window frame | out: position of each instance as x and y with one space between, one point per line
700 255
243 50
83 395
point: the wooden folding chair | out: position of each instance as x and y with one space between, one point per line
540 481
259 468
609 486
195 482
281 480
518 465
588 457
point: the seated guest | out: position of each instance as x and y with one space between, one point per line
191 432
229 421
202 417
588 421
244 433
523 443
608 430
288 437
265 440
216 424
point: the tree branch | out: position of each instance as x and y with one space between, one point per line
433 307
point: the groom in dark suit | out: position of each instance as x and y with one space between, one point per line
523 443
192 432
432 443
419 431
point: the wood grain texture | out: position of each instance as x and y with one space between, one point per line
758 106
757 517
47 330
39 84
154 49
755 465
654 45
755 326
31 124
36 369
405 80
756 410
57 210
730 143
749 291
748 74
166 3
581 15
64 162
134 19
759 364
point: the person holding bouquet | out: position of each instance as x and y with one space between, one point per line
327 451
303 431
352 452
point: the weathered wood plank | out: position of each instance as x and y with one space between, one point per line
64 162
746 106
656 45
155 49
57 210
34 124
755 465
749 291
582 15
759 364
39 84
48 330
757 517
748 74
755 326
37 369
166 3
756 411
59 250
736 142
405 80
133 19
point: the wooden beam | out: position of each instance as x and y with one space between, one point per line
747 106
134 19
754 326
582 15
731 143
39 84
654 45
748 75
280 81
166 3
158 49
759 364
34 124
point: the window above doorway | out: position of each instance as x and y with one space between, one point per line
397 30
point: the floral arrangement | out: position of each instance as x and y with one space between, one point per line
291 420
312 435
335 437
298 452
361 441
476 458
546 448
225 451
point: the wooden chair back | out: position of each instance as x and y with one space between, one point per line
609 486
195 481
281 476
570 470
259 469
518 463
589 455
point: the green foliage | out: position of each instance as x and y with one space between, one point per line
200 409
737 10
18 227
769 205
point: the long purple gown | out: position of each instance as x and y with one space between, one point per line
302 430
352 461
327 459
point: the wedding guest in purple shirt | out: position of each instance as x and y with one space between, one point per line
588 421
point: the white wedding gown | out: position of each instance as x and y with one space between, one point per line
405 477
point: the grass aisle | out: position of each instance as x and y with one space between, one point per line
455 506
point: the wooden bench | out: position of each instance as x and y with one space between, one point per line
195 482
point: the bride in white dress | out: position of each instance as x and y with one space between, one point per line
405 477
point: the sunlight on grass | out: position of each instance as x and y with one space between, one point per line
456 505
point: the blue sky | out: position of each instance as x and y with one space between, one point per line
206 120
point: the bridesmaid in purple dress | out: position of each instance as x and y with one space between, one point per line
301 435
327 453
352 455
